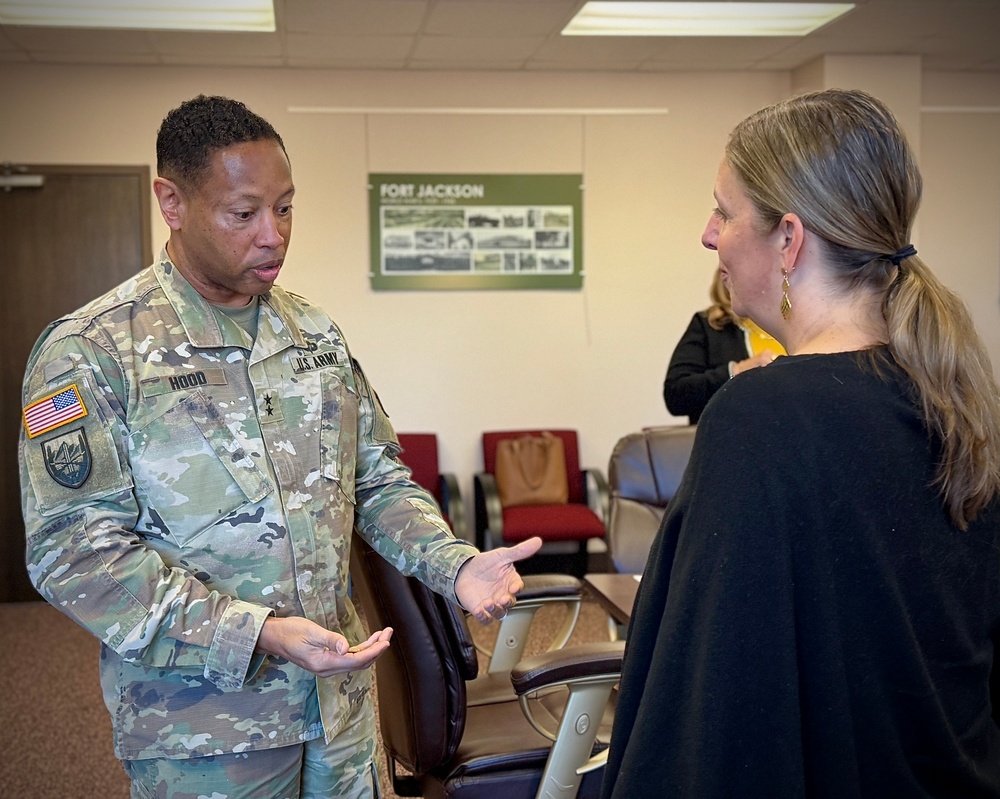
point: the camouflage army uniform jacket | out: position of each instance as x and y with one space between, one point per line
181 482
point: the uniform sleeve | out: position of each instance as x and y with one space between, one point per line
83 554
691 378
395 515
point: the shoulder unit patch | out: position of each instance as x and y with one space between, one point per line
67 458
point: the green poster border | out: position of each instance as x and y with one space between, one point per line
498 190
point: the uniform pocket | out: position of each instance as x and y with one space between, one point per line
190 471
339 433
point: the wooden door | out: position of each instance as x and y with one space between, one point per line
82 232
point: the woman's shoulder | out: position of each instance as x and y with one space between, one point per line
822 372
699 319
698 328
812 387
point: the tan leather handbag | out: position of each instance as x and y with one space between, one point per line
531 470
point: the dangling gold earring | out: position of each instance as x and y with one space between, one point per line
786 304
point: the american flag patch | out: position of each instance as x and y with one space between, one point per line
53 411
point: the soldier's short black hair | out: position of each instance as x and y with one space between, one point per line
190 133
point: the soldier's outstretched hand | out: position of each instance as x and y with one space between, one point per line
317 649
488 582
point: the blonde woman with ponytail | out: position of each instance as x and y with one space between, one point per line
820 613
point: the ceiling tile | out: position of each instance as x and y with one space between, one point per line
6 43
346 63
802 51
463 18
476 65
706 64
247 45
354 17
344 48
892 18
592 65
474 48
111 57
76 40
716 48
583 48
211 59
502 35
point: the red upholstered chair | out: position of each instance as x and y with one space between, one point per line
565 527
420 453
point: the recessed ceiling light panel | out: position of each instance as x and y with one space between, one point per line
702 19
218 15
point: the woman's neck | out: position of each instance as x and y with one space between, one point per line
836 326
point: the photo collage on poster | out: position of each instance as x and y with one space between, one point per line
437 230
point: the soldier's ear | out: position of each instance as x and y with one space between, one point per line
171 201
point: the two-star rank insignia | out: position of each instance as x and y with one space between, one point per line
268 406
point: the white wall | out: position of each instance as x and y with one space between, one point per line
459 363
960 217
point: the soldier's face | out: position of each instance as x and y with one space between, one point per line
236 225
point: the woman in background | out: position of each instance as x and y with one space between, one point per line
716 346
820 612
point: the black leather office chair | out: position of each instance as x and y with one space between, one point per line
644 473
464 736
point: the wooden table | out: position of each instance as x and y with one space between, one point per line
614 592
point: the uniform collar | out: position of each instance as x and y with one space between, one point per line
276 325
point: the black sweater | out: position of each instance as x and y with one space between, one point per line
810 623
699 365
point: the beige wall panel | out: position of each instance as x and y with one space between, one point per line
960 218
461 362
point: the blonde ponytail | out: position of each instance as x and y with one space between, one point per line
933 339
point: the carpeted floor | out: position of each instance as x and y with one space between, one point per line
55 733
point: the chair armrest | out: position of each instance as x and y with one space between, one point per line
550 586
590 672
451 497
539 590
597 494
586 662
489 511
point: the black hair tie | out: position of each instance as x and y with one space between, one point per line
905 252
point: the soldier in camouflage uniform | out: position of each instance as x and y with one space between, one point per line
197 446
